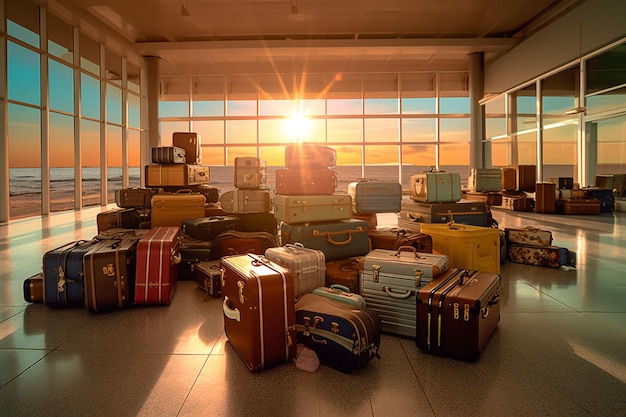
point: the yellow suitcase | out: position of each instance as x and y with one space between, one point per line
171 209
468 247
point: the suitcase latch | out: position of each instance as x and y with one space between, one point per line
334 327
375 272
307 323
316 320
466 312
60 280
241 284
418 277
456 311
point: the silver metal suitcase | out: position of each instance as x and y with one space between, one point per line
307 266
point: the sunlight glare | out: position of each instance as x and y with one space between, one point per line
298 127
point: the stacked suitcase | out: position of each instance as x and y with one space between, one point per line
533 246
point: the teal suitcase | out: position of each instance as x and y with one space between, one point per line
485 179
372 196
338 240
435 187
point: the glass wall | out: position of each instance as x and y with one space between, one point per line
383 125
43 131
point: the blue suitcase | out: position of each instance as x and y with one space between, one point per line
63 274
343 336
338 240
606 197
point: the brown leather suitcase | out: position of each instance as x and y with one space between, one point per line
517 202
176 175
235 242
526 178
110 274
509 178
578 206
190 142
457 313
133 197
306 181
343 272
125 218
487 197
172 209
310 155
393 238
259 310
33 288
545 197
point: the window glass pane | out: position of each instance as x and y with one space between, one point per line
114 161
89 54
208 96
454 130
418 93
376 157
60 39
113 64
454 105
239 152
454 157
495 117
61 162
276 130
211 132
133 138
560 152
208 108
381 130
274 156
611 145
90 96
560 94
134 110
344 107
168 128
24 130
501 152
114 104
174 100
242 94
277 107
454 84
213 156
345 130
416 159
419 130
611 100
606 70
90 158
61 86
419 106
241 131
526 148
380 92
133 77
23 74
23 21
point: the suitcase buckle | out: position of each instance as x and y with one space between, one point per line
334 327
375 272
466 312
456 311
317 319
307 322
241 284
418 277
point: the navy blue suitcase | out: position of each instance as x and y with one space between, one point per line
64 275
606 197
344 337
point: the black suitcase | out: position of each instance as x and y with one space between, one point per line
256 222
124 218
168 155
63 274
210 192
192 251
207 228
343 337
134 197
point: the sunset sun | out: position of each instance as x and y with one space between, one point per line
298 127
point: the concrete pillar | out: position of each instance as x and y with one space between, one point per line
476 92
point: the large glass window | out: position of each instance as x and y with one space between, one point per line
61 87
23 21
89 54
380 93
62 181
60 39
23 74
114 161
133 138
90 157
90 96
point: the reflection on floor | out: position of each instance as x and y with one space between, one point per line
559 349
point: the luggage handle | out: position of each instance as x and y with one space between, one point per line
464 274
407 249
330 239
339 288
494 300
393 294
230 313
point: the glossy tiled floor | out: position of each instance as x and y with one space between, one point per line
560 349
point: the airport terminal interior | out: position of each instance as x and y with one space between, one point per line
88 87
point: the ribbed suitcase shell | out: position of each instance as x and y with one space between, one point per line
133 197
110 275
33 288
343 272
343 337
250 172
173 209
467 246
310 155
63 274
306 181
168 155
373 196
431 187
259 310
455 317
207 228
389 282
176 175
252 200
191 143
485 179
295 209
475 213
307 266
156 272
339 239
125 218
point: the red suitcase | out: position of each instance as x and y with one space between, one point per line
306 181
157 266
457 313
259 310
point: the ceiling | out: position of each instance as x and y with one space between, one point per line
234 36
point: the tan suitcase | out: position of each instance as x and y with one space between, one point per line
172 209
252 201
177 175
250 172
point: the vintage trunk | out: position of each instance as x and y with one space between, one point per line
207 228
528 236
343 272
509 178
295 209
389 281
124 218
210 192
475 213
259 310
256 222
134 197
208 277
435 187
526 176
173 209
157 266
252 200
550 256
234 242
176 175
488 198
393 238
457 314
168 155
578 206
